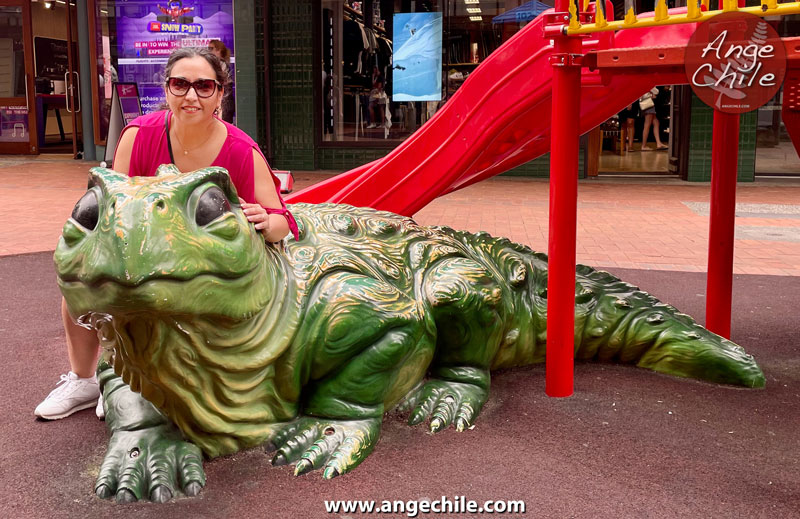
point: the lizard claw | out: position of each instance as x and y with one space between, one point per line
335 446
447 403
125 496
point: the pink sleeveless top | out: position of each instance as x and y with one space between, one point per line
150 151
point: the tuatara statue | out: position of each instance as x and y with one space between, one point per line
218 343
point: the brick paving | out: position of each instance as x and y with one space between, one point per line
622 222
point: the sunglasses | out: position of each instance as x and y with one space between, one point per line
203 87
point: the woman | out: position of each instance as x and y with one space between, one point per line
224 54
646 102
191 132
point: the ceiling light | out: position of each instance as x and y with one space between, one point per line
475 18
472 2
48 5
474 10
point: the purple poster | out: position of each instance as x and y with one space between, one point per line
148 31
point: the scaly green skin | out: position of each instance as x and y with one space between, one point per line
236 344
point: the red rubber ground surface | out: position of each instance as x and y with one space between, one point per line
629 443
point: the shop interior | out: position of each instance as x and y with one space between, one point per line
37 39
360 60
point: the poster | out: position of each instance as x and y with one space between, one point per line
128 101
417 58
14 124
145 42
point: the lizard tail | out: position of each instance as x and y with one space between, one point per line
614 321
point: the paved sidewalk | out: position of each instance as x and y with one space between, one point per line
622 222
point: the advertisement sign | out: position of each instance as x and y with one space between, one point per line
145 42
125 107
128 97
735 62
417 58
13 124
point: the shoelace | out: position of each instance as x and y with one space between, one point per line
63 383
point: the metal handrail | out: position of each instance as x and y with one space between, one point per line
697 11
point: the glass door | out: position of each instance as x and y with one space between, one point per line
17 121
72 79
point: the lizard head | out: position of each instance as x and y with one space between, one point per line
174 243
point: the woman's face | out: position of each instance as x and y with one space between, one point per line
215 51
191 108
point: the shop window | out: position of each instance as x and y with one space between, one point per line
133 40
388 66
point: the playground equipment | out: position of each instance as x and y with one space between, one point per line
562 75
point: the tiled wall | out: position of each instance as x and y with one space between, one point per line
292 114
540 167
342 159
699 169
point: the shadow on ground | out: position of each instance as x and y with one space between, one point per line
629 443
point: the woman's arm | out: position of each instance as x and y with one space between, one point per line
124 151
274 226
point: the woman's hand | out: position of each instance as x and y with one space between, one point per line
256 214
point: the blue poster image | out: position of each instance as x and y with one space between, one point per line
417 59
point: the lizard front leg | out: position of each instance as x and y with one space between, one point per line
147 457
468 307
368 347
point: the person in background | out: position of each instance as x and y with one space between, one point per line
224 54
647 104
191 136
662 102
627 120
377 104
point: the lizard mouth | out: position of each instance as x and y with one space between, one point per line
202 295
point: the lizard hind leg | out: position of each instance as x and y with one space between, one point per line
468 307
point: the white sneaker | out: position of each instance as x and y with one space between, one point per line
100 411
372 125
72 394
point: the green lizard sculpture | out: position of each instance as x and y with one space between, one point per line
218 343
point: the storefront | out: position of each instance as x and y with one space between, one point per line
333 72
39 102
320 84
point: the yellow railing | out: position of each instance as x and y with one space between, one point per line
662 16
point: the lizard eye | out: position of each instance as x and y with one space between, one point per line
212 205
86 211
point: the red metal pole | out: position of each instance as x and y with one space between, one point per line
724 169
560 356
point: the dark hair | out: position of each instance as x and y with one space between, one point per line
190 52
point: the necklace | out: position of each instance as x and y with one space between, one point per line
187 151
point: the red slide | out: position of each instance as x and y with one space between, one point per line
497 120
